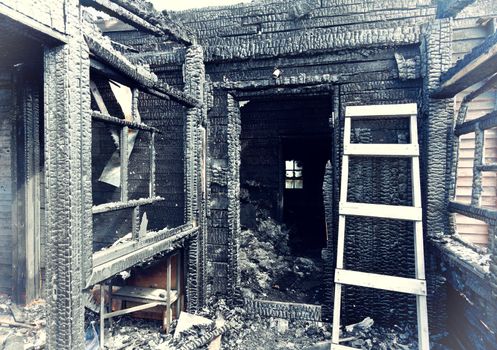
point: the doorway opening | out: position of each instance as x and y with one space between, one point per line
22 165
285 145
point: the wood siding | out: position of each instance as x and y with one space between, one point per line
468 34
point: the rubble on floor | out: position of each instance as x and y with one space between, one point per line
270 271
240 330
22 328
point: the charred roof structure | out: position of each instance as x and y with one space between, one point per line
164 162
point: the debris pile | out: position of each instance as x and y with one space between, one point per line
22 327
269 270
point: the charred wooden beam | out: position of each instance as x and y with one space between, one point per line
146 11
477 65
483 214
122 122
450 8
483 123
124 15
107 207
50 36
166 91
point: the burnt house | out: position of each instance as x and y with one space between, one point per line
205 153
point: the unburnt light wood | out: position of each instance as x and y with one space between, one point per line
415 286
148 297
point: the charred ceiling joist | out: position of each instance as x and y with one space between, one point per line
146 19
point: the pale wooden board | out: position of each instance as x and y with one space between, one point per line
381 150
381 211
383 282
391 110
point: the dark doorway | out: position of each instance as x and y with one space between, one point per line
286 142
303 210
21 157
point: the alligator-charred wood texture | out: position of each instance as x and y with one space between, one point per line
68 184
193 148
224 187
436 52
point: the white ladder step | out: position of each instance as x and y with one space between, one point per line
390 111
383 211
384 282
341 347
381 150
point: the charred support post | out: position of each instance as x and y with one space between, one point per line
436 52
332 174
234 229
194 76
68 184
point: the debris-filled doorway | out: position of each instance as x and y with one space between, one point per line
285 144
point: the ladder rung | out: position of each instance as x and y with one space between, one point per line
398 212
341 347
381 150
390 111
384 282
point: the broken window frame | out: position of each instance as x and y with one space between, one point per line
478 127
139 242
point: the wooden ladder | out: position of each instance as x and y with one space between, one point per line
415 286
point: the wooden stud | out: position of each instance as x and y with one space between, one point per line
102 314
135 223
477 163
168 287
152 165
124 163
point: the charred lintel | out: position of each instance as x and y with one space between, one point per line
483 214
450 8
123 14
107 207
288 81
165 91
146 11
122 122
477 65
483 123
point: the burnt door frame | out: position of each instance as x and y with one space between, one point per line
26 204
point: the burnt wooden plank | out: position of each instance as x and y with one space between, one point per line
472 68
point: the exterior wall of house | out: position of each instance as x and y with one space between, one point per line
469 32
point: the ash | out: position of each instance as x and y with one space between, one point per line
22 328
244 331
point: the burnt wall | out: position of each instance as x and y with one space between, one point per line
352 48
282 28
